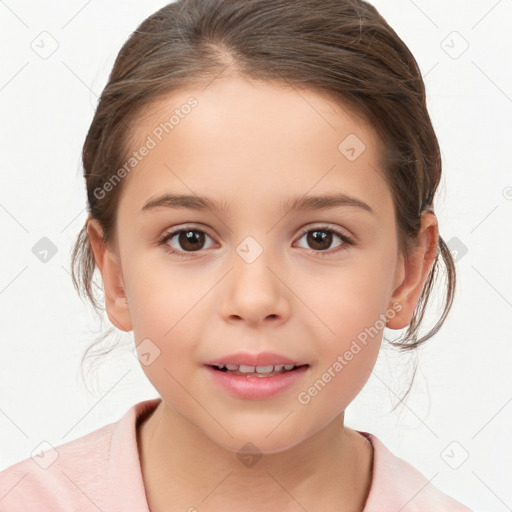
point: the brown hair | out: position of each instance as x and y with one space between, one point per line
343 49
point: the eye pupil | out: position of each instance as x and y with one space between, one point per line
320 237
191 240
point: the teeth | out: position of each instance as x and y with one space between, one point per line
246 369
243 368
264 369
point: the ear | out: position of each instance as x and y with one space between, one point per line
109 265
412 272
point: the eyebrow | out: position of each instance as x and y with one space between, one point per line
193 202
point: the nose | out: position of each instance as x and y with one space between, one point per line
255 292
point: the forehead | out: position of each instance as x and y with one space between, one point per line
254 137
236 107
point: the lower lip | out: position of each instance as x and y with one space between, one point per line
256 388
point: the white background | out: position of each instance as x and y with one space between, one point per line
462 390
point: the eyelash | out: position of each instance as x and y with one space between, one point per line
347 240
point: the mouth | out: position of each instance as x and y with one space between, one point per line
257 371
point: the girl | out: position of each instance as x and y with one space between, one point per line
260 179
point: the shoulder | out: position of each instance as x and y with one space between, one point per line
94 472
54 476
397 485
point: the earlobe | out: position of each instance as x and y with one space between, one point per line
415 270
108 263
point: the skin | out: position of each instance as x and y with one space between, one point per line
252 145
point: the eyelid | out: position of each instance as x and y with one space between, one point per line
306 229
325 225
185 227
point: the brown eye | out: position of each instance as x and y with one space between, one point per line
185 240
320 240
191 240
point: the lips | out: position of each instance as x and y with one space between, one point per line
251 385
255 376
248 366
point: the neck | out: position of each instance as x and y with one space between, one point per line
183 468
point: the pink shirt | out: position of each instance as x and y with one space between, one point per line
101 472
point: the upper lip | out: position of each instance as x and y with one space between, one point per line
248 359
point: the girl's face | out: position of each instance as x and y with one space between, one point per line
254 276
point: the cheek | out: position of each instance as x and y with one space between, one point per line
343 303
337 381
352 308
168 307
160 293
346 362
